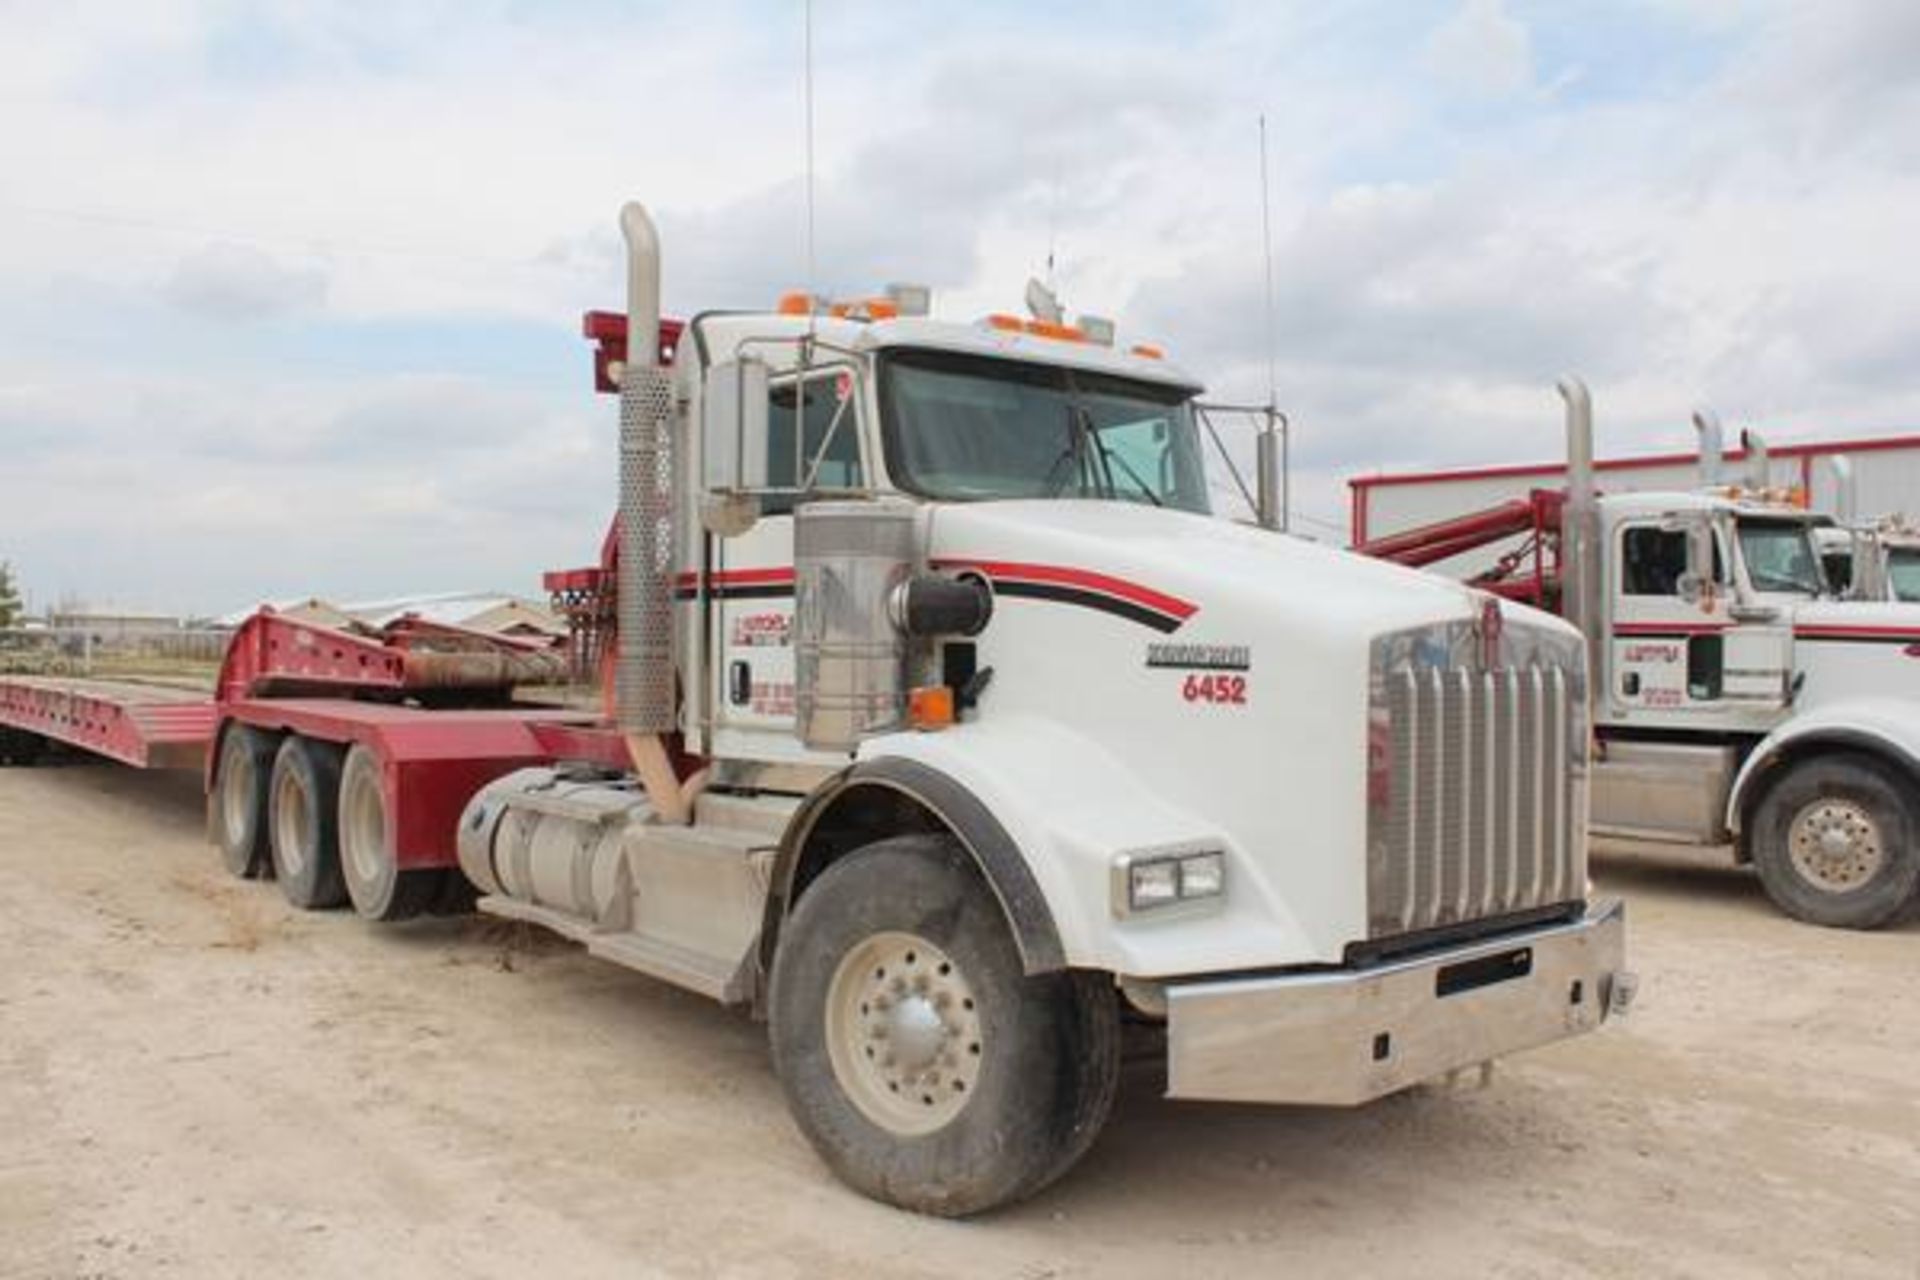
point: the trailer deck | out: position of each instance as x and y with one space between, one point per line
148 726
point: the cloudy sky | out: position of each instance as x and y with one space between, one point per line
289 290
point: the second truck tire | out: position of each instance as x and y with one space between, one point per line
1834 843
302 823
924 1065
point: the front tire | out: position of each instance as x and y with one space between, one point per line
1833 842
303 831
922 1063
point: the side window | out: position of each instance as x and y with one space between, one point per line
1651 561
803 417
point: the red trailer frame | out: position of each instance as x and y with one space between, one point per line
148 726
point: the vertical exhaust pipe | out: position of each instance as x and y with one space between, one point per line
644 675
1706 424
1846 490
1580 527
1758 472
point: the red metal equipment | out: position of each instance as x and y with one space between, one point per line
1536 560
144 725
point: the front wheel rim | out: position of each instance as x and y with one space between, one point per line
903 1033
1836 844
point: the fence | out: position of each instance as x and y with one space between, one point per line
78 651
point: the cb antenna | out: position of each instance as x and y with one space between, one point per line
1266 244
1276 440
807 81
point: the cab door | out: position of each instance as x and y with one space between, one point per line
1667 641
813 443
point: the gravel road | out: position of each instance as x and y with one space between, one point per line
202 1082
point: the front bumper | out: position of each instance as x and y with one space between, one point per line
1346 1037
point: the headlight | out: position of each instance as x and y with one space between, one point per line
1146 881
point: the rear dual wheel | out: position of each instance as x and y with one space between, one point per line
238 807
21 746
375 884
302 823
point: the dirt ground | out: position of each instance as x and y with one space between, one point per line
199 1081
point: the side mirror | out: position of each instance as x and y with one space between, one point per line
733 432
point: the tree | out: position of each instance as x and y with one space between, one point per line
9 596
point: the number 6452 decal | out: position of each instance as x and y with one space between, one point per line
1217 689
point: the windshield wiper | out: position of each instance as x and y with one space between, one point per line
1086 432
1075 453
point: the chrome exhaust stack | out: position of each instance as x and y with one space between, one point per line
1846 490
1758 471
1580 526
1706 423
644 681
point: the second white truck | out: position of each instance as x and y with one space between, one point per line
1741 704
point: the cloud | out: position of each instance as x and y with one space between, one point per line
293 306
238 283
1482 51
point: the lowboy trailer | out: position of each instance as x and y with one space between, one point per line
950 732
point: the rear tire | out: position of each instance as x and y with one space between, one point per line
302 823
923 1064
21 747
1833 841
377 887
238 806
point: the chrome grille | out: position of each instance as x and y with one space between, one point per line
1477 777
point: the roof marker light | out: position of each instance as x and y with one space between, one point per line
1098 329
910 299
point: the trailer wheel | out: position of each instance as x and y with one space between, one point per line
923 1064
21 746
302 813
1833 841
239 805
377 887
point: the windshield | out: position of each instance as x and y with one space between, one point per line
1779 557
972 427
1903 572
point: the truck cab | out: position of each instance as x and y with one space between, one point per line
962 734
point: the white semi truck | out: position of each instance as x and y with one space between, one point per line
1864 559
1741 705
962 734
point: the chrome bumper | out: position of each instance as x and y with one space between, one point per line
1347 1037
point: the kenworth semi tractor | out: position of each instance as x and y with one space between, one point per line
1740 705
950 733
1874 559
